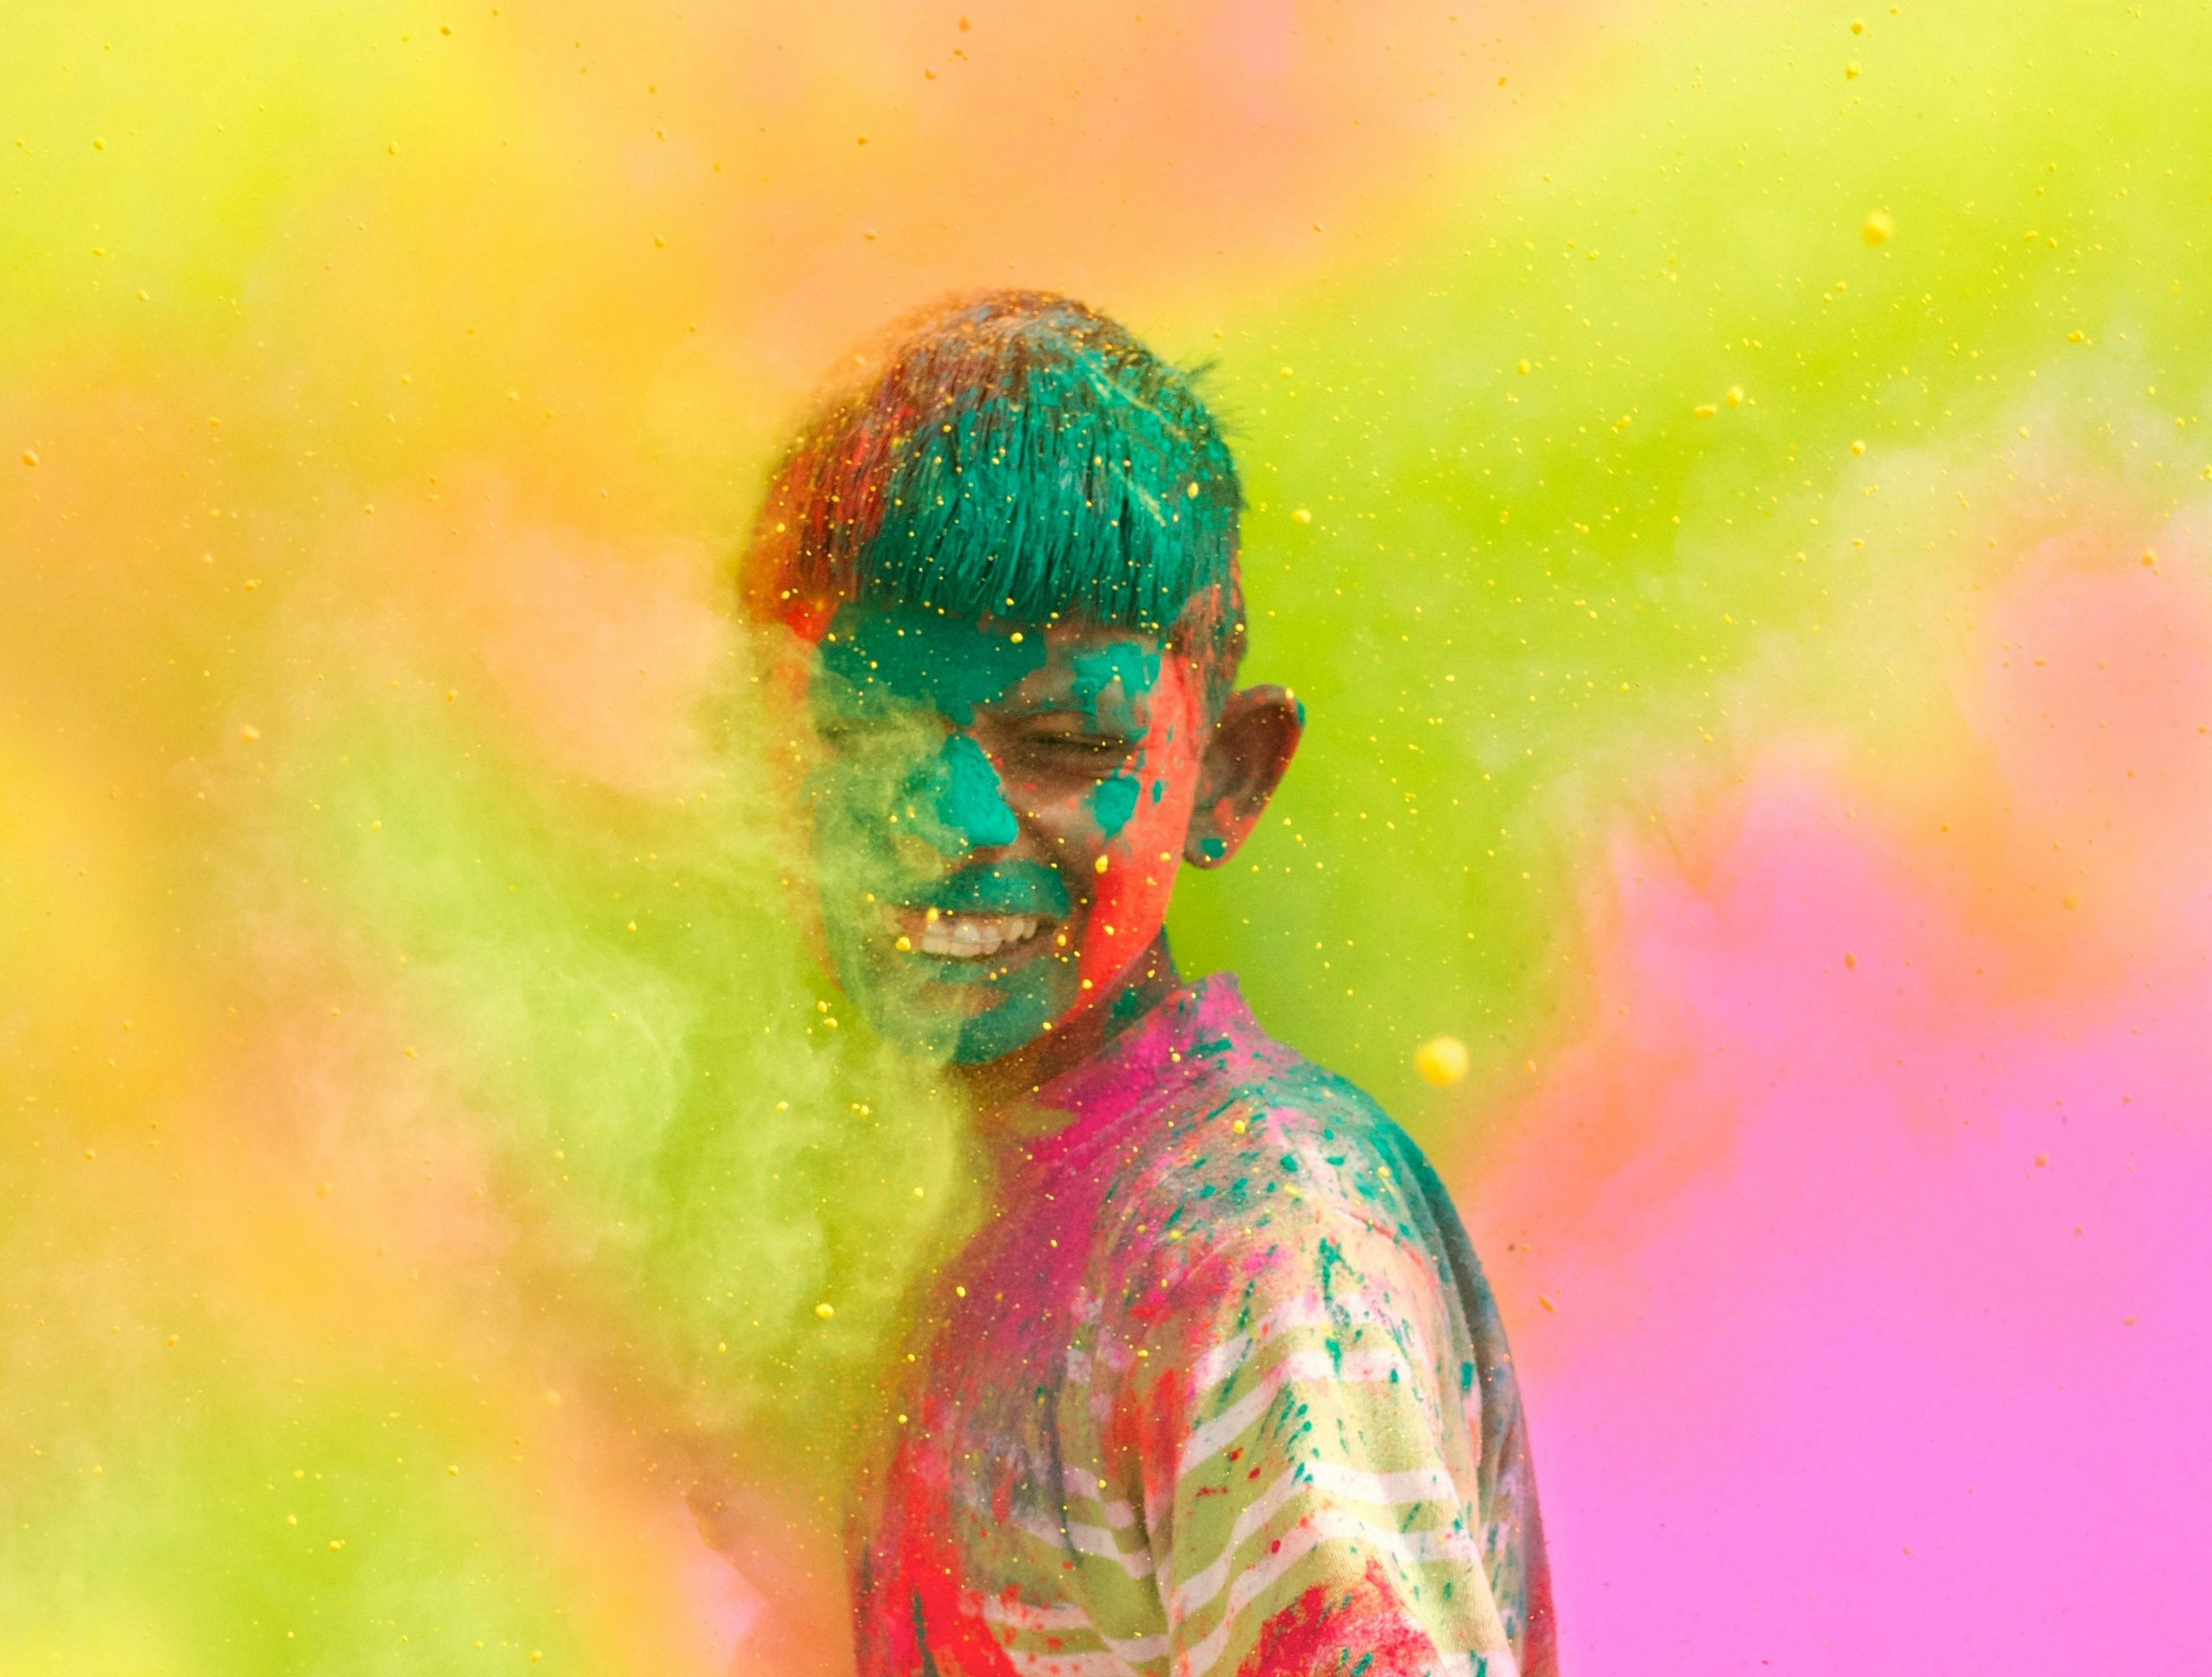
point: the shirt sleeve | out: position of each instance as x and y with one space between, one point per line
1308 1467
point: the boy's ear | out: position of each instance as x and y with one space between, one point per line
1254 740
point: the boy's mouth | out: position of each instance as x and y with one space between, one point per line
966 937
1004 911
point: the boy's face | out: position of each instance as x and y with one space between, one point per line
997 815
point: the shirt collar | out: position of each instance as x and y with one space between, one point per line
1175 1046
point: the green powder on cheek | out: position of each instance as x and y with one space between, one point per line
1113 802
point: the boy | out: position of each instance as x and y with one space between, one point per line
1219 1386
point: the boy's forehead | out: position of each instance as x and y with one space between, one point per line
890 654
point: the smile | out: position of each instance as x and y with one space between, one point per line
966 937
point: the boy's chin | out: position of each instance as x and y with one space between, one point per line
1030 1002
972 1025
993 1036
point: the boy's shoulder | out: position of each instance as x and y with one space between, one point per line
1256 1147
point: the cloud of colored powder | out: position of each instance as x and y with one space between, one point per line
1730 486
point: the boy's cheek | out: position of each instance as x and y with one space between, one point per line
1123 920
1132 896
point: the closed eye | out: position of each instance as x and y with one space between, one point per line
1087 748
845 733
1080 745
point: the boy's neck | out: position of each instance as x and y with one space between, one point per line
1000 1089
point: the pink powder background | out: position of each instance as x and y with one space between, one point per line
1877 1331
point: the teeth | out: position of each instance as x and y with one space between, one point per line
974 936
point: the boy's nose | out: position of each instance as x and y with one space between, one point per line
967 798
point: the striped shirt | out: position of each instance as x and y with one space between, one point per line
1220 1392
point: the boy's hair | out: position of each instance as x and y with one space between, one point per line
1016 456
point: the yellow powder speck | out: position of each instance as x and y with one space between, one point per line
1302 516
1441 1061
1703 410
825 1310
